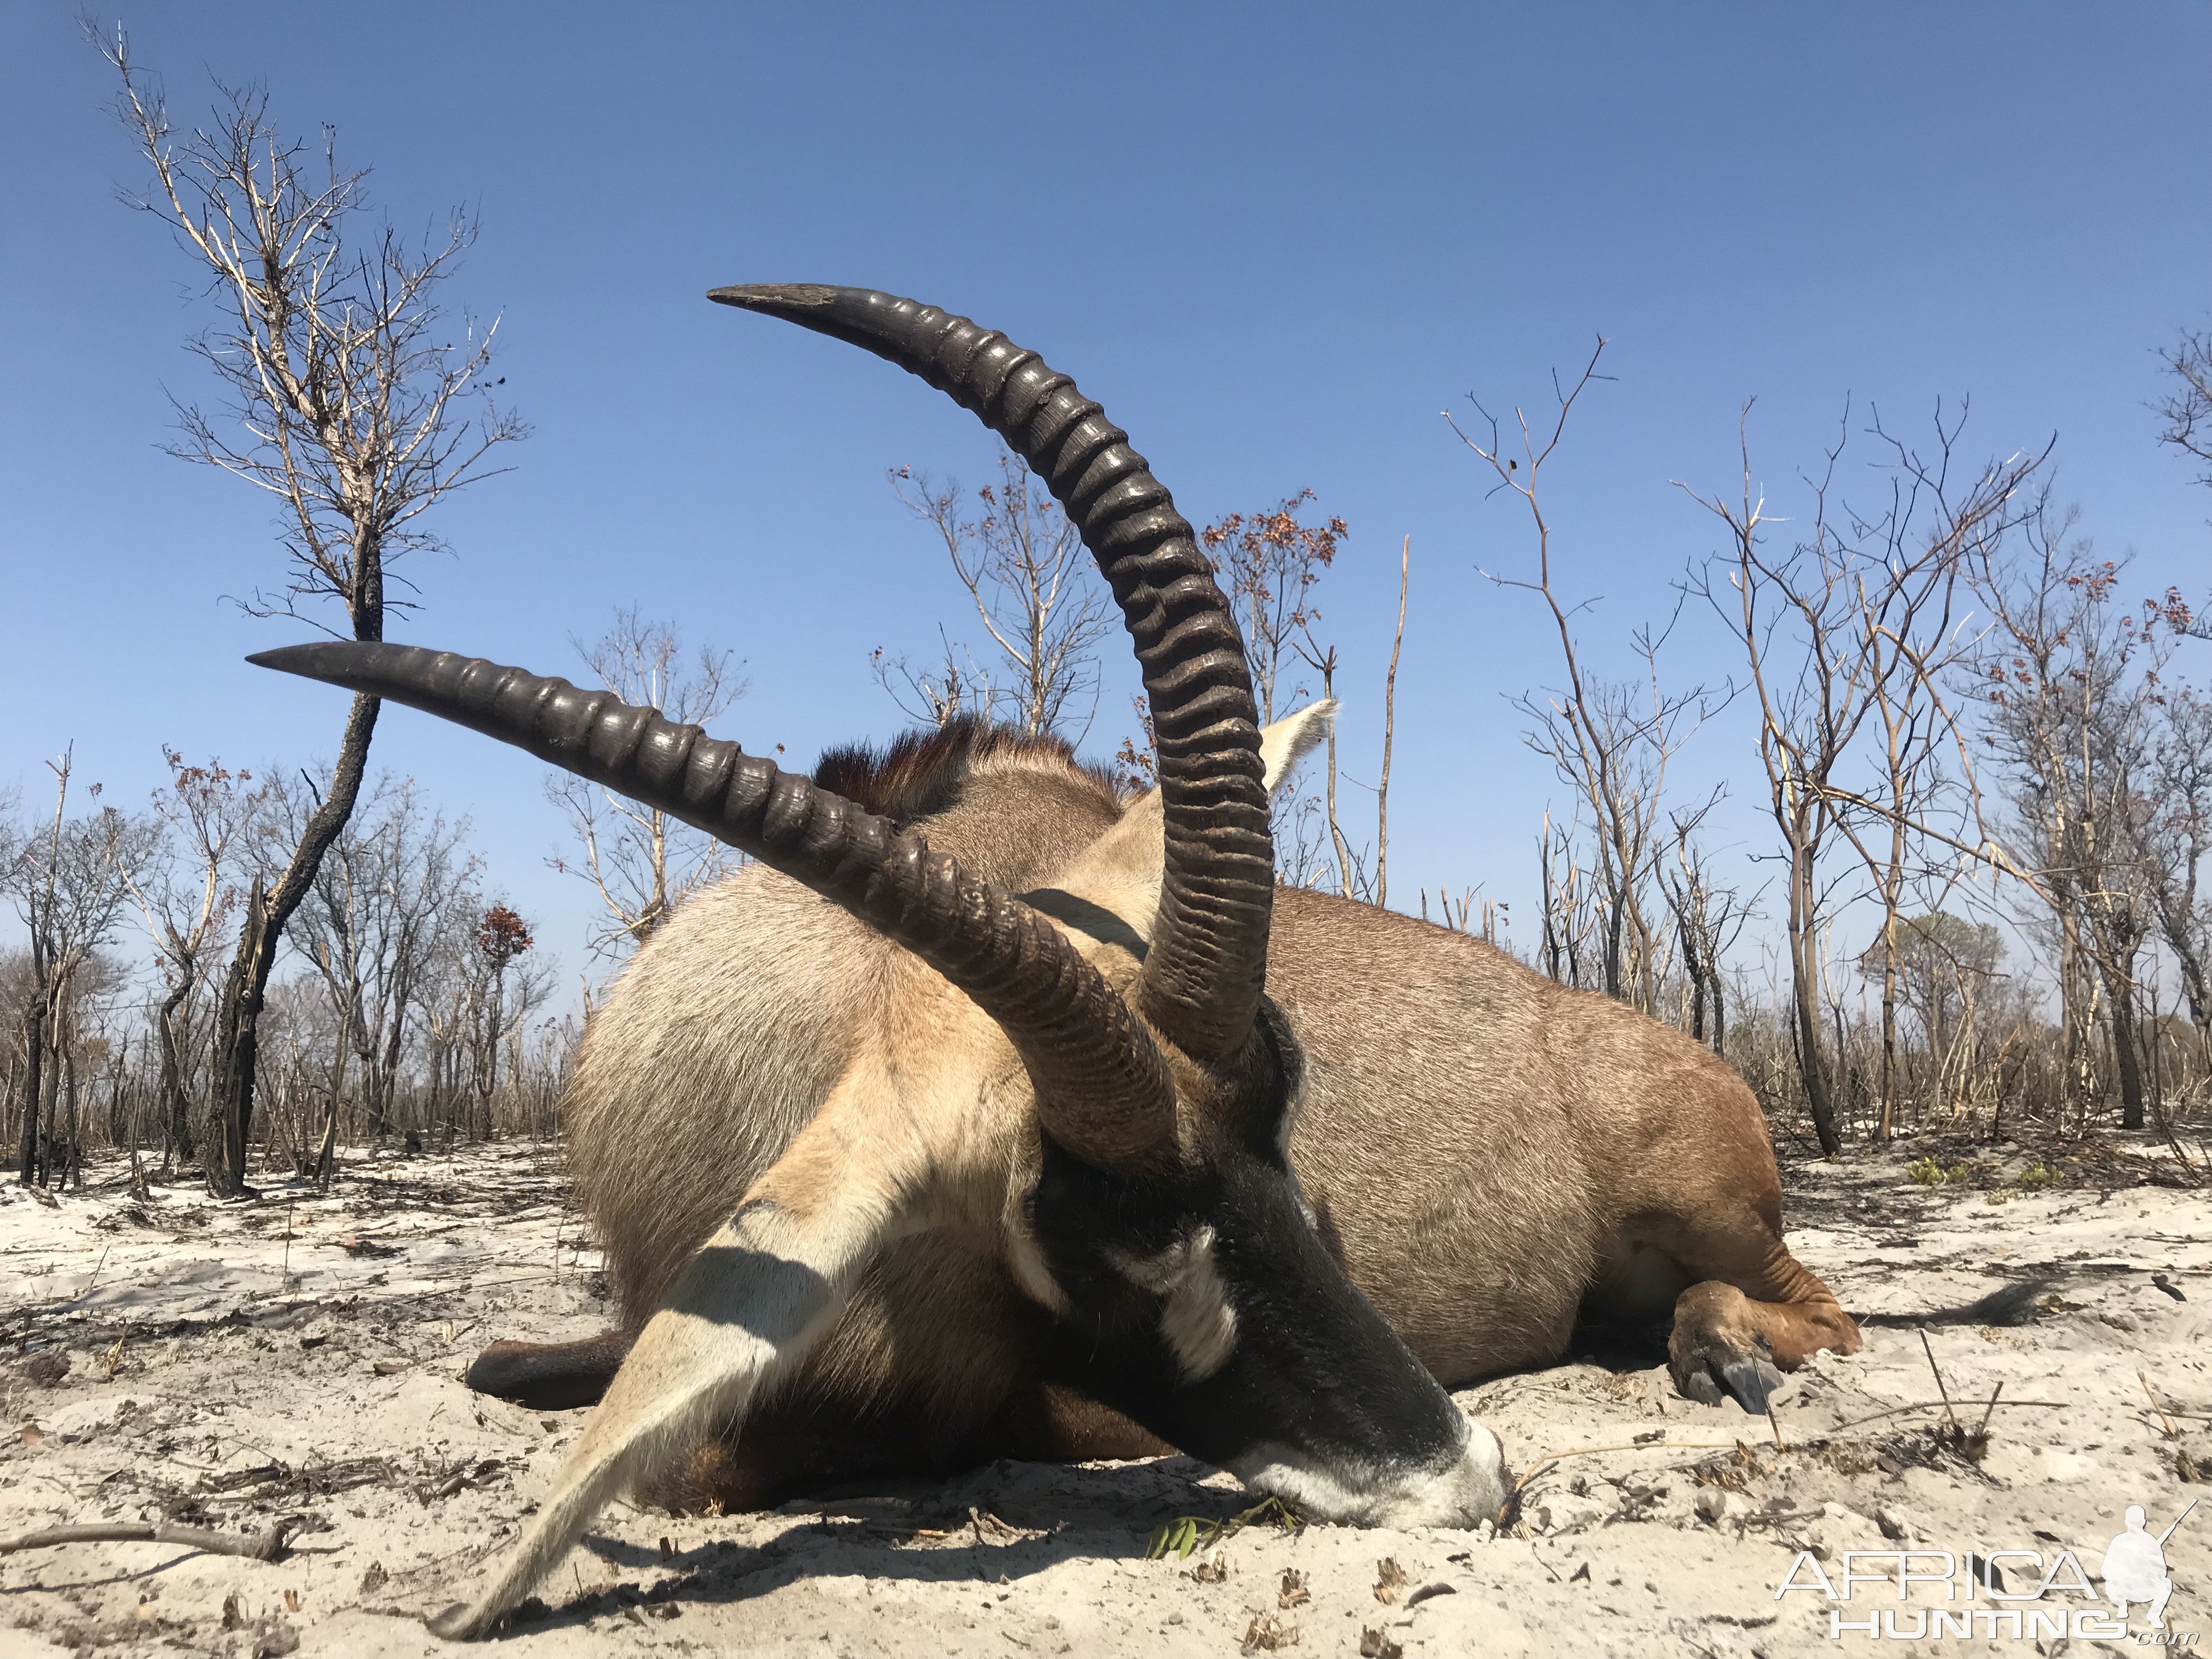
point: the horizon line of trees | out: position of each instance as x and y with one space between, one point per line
409 1010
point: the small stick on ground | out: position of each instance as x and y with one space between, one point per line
284 1274
1931 1405
1982 1429
2172 1433
559 1227
1774 1422
269 1545
1946 1393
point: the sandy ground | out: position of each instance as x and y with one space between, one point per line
234 1365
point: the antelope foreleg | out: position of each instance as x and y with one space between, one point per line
749 1306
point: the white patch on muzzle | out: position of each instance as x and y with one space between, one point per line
1196 1316
1469 1489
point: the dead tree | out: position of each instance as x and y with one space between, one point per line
69 882
1610 742
1936 964
1908 603
2068 717
1032 586
210 814
393 876
1567 923
1709 919
344 388
503 991
2181 828
1267 563
1812 703
33 889
1357 876
1851 639
1390 732
642 862
2186 410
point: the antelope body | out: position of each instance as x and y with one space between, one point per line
896 1170
1490 1154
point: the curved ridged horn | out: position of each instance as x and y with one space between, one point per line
1101 1084
1202 976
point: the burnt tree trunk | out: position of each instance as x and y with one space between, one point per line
1887 1122
237 1052
1804 976
246 991
116 1108
1693 964
1893 882
50 1099
34 1028
2126 1051
388 1069
176 1110
73 1149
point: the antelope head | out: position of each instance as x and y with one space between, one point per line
1164 1230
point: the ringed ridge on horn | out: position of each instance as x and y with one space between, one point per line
1200 984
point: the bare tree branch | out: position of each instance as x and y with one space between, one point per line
1035 593
1612 743
643 863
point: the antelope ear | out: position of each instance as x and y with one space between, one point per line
1121 871
1291 738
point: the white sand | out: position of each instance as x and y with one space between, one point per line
247 1388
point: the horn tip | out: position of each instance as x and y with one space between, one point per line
285 659
325 660
775 297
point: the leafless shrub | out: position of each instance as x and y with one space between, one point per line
642 862
1034 590
1610 741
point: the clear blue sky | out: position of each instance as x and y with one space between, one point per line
1275 242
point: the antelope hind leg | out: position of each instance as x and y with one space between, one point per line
749 1305
1707 1235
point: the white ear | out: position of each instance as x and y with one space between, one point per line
1121 872
1291 738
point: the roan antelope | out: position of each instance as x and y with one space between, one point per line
962 1126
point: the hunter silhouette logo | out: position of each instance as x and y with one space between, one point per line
2134 1566
2028 1590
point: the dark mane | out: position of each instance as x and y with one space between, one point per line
923 772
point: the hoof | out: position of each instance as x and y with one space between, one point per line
1753 1380
1750 1380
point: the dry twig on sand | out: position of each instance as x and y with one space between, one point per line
2172 1433
269 1546
1940 1389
